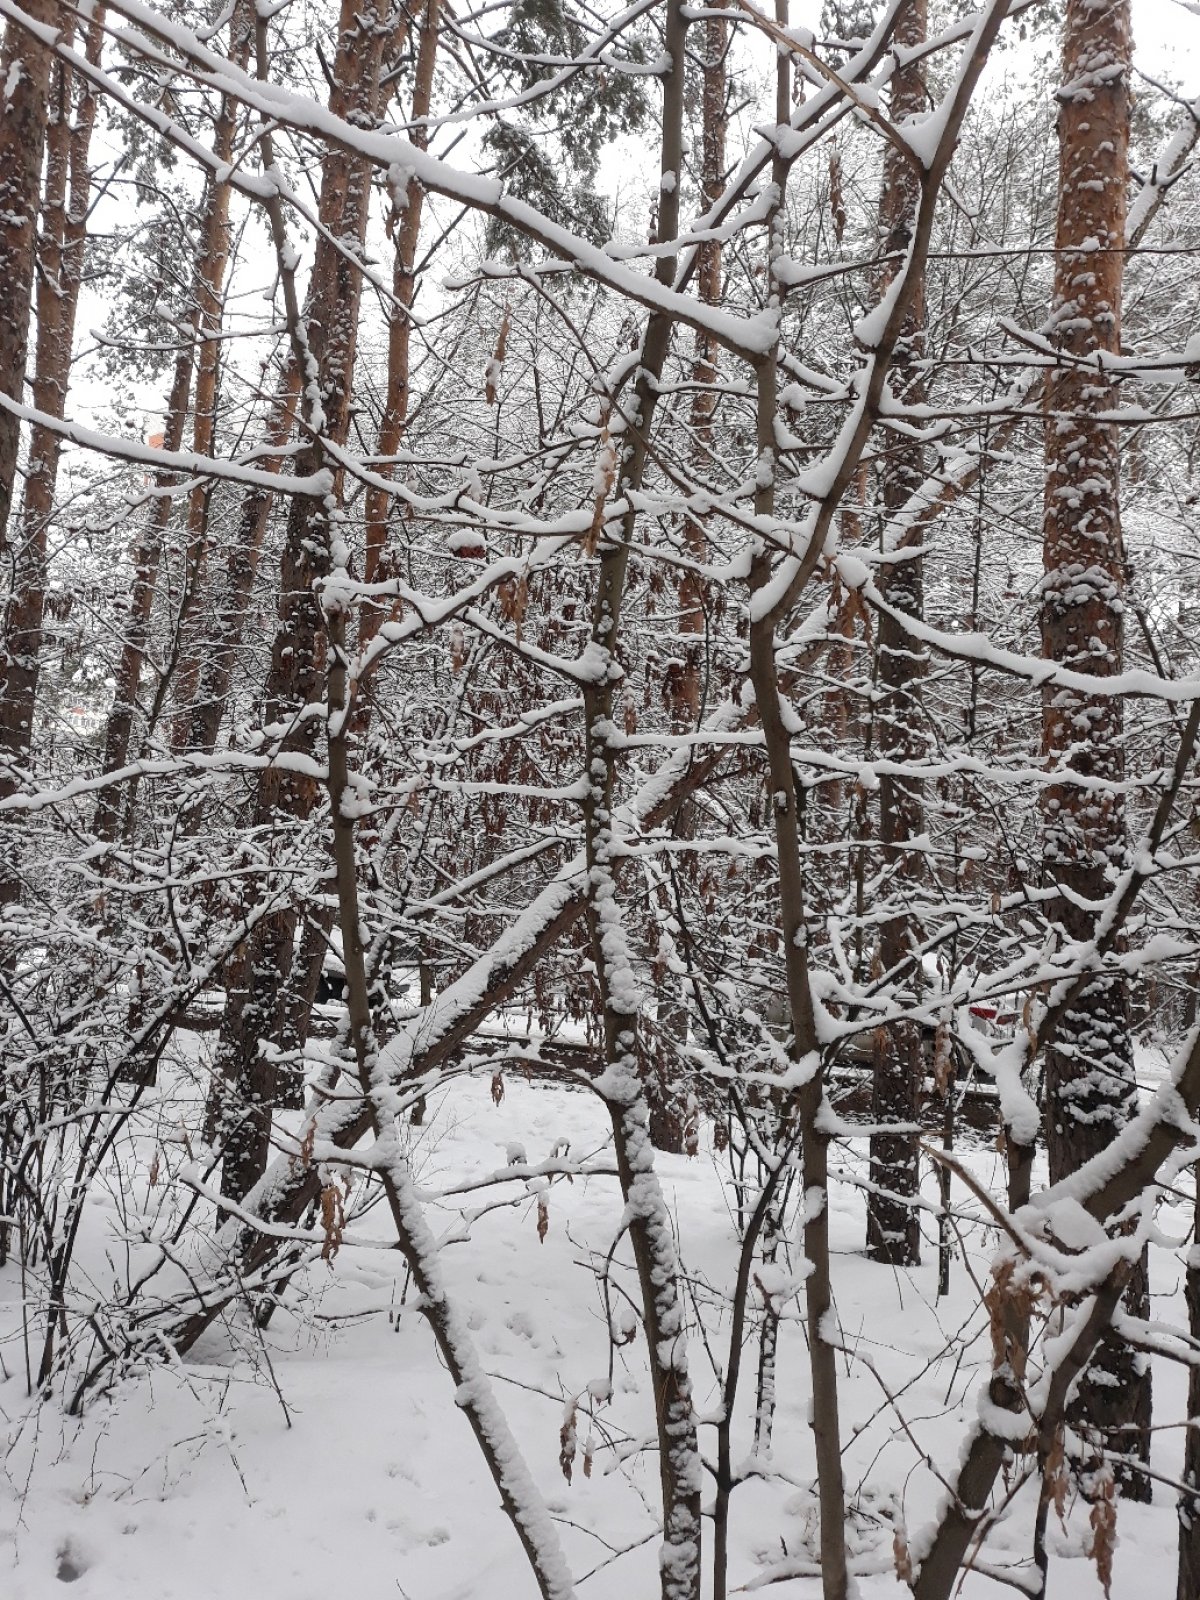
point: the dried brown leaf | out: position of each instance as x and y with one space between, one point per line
333 1220
1058 1479
837 196
902 1557
567 1443
496 364
943 1058
1103 1519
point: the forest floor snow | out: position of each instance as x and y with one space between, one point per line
327 1457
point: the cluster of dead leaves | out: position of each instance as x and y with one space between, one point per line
1010 1302
568 1444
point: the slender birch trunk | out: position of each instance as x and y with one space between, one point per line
519 1497
622 1086
803 1045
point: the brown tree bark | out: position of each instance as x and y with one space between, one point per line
623 1088
24 86
893 1225
704 370
406 226
216 678
60 252
118 730
666 1095
303 979
803 1045
199 356
1090 1087
256 1002
208 314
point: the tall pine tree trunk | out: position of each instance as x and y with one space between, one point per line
61 250
692 622
665 1093
220 659
257 990
24 86
209 314
893 1230
406 223
147 555
1090 1088
198 357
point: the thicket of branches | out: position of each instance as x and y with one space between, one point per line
667 564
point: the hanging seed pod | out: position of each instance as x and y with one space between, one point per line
837 196
567 1442
514 602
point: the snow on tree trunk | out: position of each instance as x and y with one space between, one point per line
287 794
893 1226
406 223
24 83
1090 1087
1188 1583
218 669
147 556
61 250
209 315
668 1095
621 1085
803 1045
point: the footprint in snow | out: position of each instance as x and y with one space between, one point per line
71 1565
521 1322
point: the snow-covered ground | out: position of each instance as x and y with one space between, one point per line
327 1457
